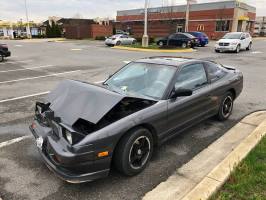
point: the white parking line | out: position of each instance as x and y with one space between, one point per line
36 77
9 142
15 70
126 61
16 61
24 97
76 49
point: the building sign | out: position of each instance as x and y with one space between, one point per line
200 27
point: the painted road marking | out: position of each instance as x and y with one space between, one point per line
18 45
126 61
76 49
15 70
16 61
9 142
36 77
256 52
24 97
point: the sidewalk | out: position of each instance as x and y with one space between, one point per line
205 173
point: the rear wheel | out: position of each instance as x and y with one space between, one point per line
134 42
226 107
1 57
118 43
217 51
134 151
160 43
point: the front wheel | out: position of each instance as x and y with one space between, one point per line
249 46
118 43
237 49
1 57
134 151
184 45
226 107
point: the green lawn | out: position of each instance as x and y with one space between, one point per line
151 46
248 181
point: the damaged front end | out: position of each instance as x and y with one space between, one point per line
71 112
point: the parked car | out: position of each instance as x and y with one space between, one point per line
202 38
4 52
183 40
120 40
82 128
234 41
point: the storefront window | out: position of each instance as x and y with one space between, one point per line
222 25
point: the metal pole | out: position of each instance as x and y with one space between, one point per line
27 18
145 38
187 16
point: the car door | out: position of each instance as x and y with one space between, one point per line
243 41
171 40
123 39
183 111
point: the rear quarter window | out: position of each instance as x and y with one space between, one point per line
215 72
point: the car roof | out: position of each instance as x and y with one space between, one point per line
167 60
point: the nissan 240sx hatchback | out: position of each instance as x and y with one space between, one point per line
81 128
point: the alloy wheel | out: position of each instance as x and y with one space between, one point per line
139 152
227 106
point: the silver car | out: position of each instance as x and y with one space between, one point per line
120 39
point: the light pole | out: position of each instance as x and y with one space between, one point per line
187 13
187 16
27 18
145 38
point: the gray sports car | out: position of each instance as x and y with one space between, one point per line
82 128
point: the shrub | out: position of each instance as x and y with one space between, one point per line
100 38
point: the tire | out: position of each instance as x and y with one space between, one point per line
118 43
225 110
1 58
237 49
217 51
134 42
160 44
184 45
249 46
130 147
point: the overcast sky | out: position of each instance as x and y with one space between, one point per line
39 10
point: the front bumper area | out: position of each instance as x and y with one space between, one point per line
225 48
73 168
6 53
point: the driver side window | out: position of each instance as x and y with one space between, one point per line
191 77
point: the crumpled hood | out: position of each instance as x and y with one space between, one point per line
72 100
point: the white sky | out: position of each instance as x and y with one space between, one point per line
39 10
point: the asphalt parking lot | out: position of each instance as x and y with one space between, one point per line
36 67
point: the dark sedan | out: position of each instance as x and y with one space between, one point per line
202 38
4 52
183 40
82 128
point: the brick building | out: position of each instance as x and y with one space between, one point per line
215 19
84 28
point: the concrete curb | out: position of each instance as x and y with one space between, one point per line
219 175
201 177
154 50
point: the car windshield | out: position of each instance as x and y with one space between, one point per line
142 79
232 36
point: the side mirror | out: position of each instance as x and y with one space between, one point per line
181 92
